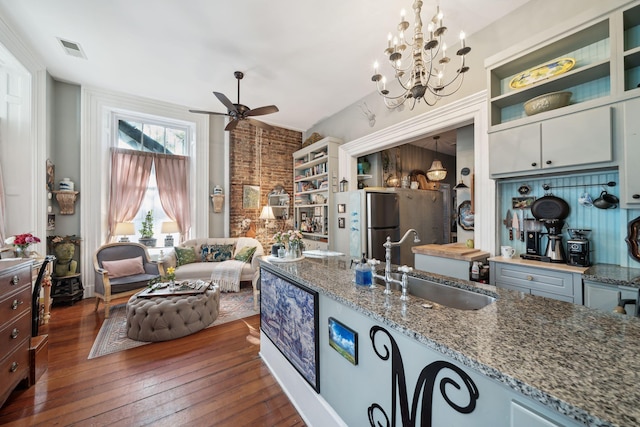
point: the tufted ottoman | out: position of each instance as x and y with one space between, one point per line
165 318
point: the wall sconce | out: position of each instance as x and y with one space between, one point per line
124 229
267 214
169 227
460 185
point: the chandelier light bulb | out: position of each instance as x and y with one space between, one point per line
418 68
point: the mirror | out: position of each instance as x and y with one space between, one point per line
633 238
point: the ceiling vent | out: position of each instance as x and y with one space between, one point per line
72 48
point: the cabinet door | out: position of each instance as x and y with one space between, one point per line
515 150
605 297
577 139
629 182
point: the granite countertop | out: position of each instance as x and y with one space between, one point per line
580 362
613 275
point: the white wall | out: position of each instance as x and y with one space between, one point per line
464 159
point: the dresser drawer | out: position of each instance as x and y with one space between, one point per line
555 282
11 282
13 333
14 368
16 304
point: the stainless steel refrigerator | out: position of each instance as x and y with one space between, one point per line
383 219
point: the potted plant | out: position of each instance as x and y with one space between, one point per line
146 232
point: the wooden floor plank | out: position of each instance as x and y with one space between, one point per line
214 377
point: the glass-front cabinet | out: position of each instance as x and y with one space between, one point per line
315 180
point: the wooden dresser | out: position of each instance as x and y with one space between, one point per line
15 324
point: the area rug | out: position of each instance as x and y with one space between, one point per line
112 336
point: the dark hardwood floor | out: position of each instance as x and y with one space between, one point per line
212 378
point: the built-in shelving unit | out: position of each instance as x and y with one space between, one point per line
315 180
631 47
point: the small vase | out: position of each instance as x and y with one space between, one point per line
282 252
21 252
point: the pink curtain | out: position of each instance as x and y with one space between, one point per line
172 176
130 171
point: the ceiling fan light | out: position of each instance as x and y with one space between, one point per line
436 172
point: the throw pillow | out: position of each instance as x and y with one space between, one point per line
185 255
123 267
245 254
217 252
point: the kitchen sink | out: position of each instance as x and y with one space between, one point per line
446 295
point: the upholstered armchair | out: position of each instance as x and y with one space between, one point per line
122 269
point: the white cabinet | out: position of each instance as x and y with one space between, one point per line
315 180
566 142
603 296
559 281
629 177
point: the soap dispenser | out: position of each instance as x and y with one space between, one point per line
364 276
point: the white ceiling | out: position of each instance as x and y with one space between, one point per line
311 59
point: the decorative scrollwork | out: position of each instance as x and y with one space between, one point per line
424 387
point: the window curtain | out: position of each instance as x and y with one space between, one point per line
172 176
130 171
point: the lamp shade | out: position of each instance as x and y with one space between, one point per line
460 185
169 227
124 229
267 213
436 172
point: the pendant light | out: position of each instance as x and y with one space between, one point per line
436 172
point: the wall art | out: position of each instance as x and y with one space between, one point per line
344 340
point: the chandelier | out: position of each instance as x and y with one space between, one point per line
419 64
436 172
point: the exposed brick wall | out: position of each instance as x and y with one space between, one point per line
276 168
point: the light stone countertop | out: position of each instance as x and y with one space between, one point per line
580 362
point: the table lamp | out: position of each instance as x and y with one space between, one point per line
169 227
267 214
124 229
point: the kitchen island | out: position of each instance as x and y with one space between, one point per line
522 360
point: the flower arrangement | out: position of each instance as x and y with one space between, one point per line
171 274
292 237
22 241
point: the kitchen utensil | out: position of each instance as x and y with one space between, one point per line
550 207
606 201
515 223
507 222
522 226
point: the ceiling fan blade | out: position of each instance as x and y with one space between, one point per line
222 98
208 112
269 109
231 125
259 124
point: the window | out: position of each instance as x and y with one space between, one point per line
156 137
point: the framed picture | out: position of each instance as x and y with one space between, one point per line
342 208
289 318
50 175
522 202
250 197
51 221
341 222
344 340
317 211
303 216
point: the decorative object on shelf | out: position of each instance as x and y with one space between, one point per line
66 200
66 185
315 137
146 232
217 190
124 229
21 243
420 71
542 72
547 102
169 227
436 172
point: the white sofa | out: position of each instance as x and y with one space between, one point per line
203 270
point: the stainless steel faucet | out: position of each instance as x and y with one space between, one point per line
387 266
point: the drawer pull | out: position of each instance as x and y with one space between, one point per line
15 333
15 304
529 278
14 367
15 280
636 196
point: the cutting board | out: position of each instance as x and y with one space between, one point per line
451 250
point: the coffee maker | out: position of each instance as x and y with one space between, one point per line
555 249
578 248
532 232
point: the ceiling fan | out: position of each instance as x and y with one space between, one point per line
239 111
